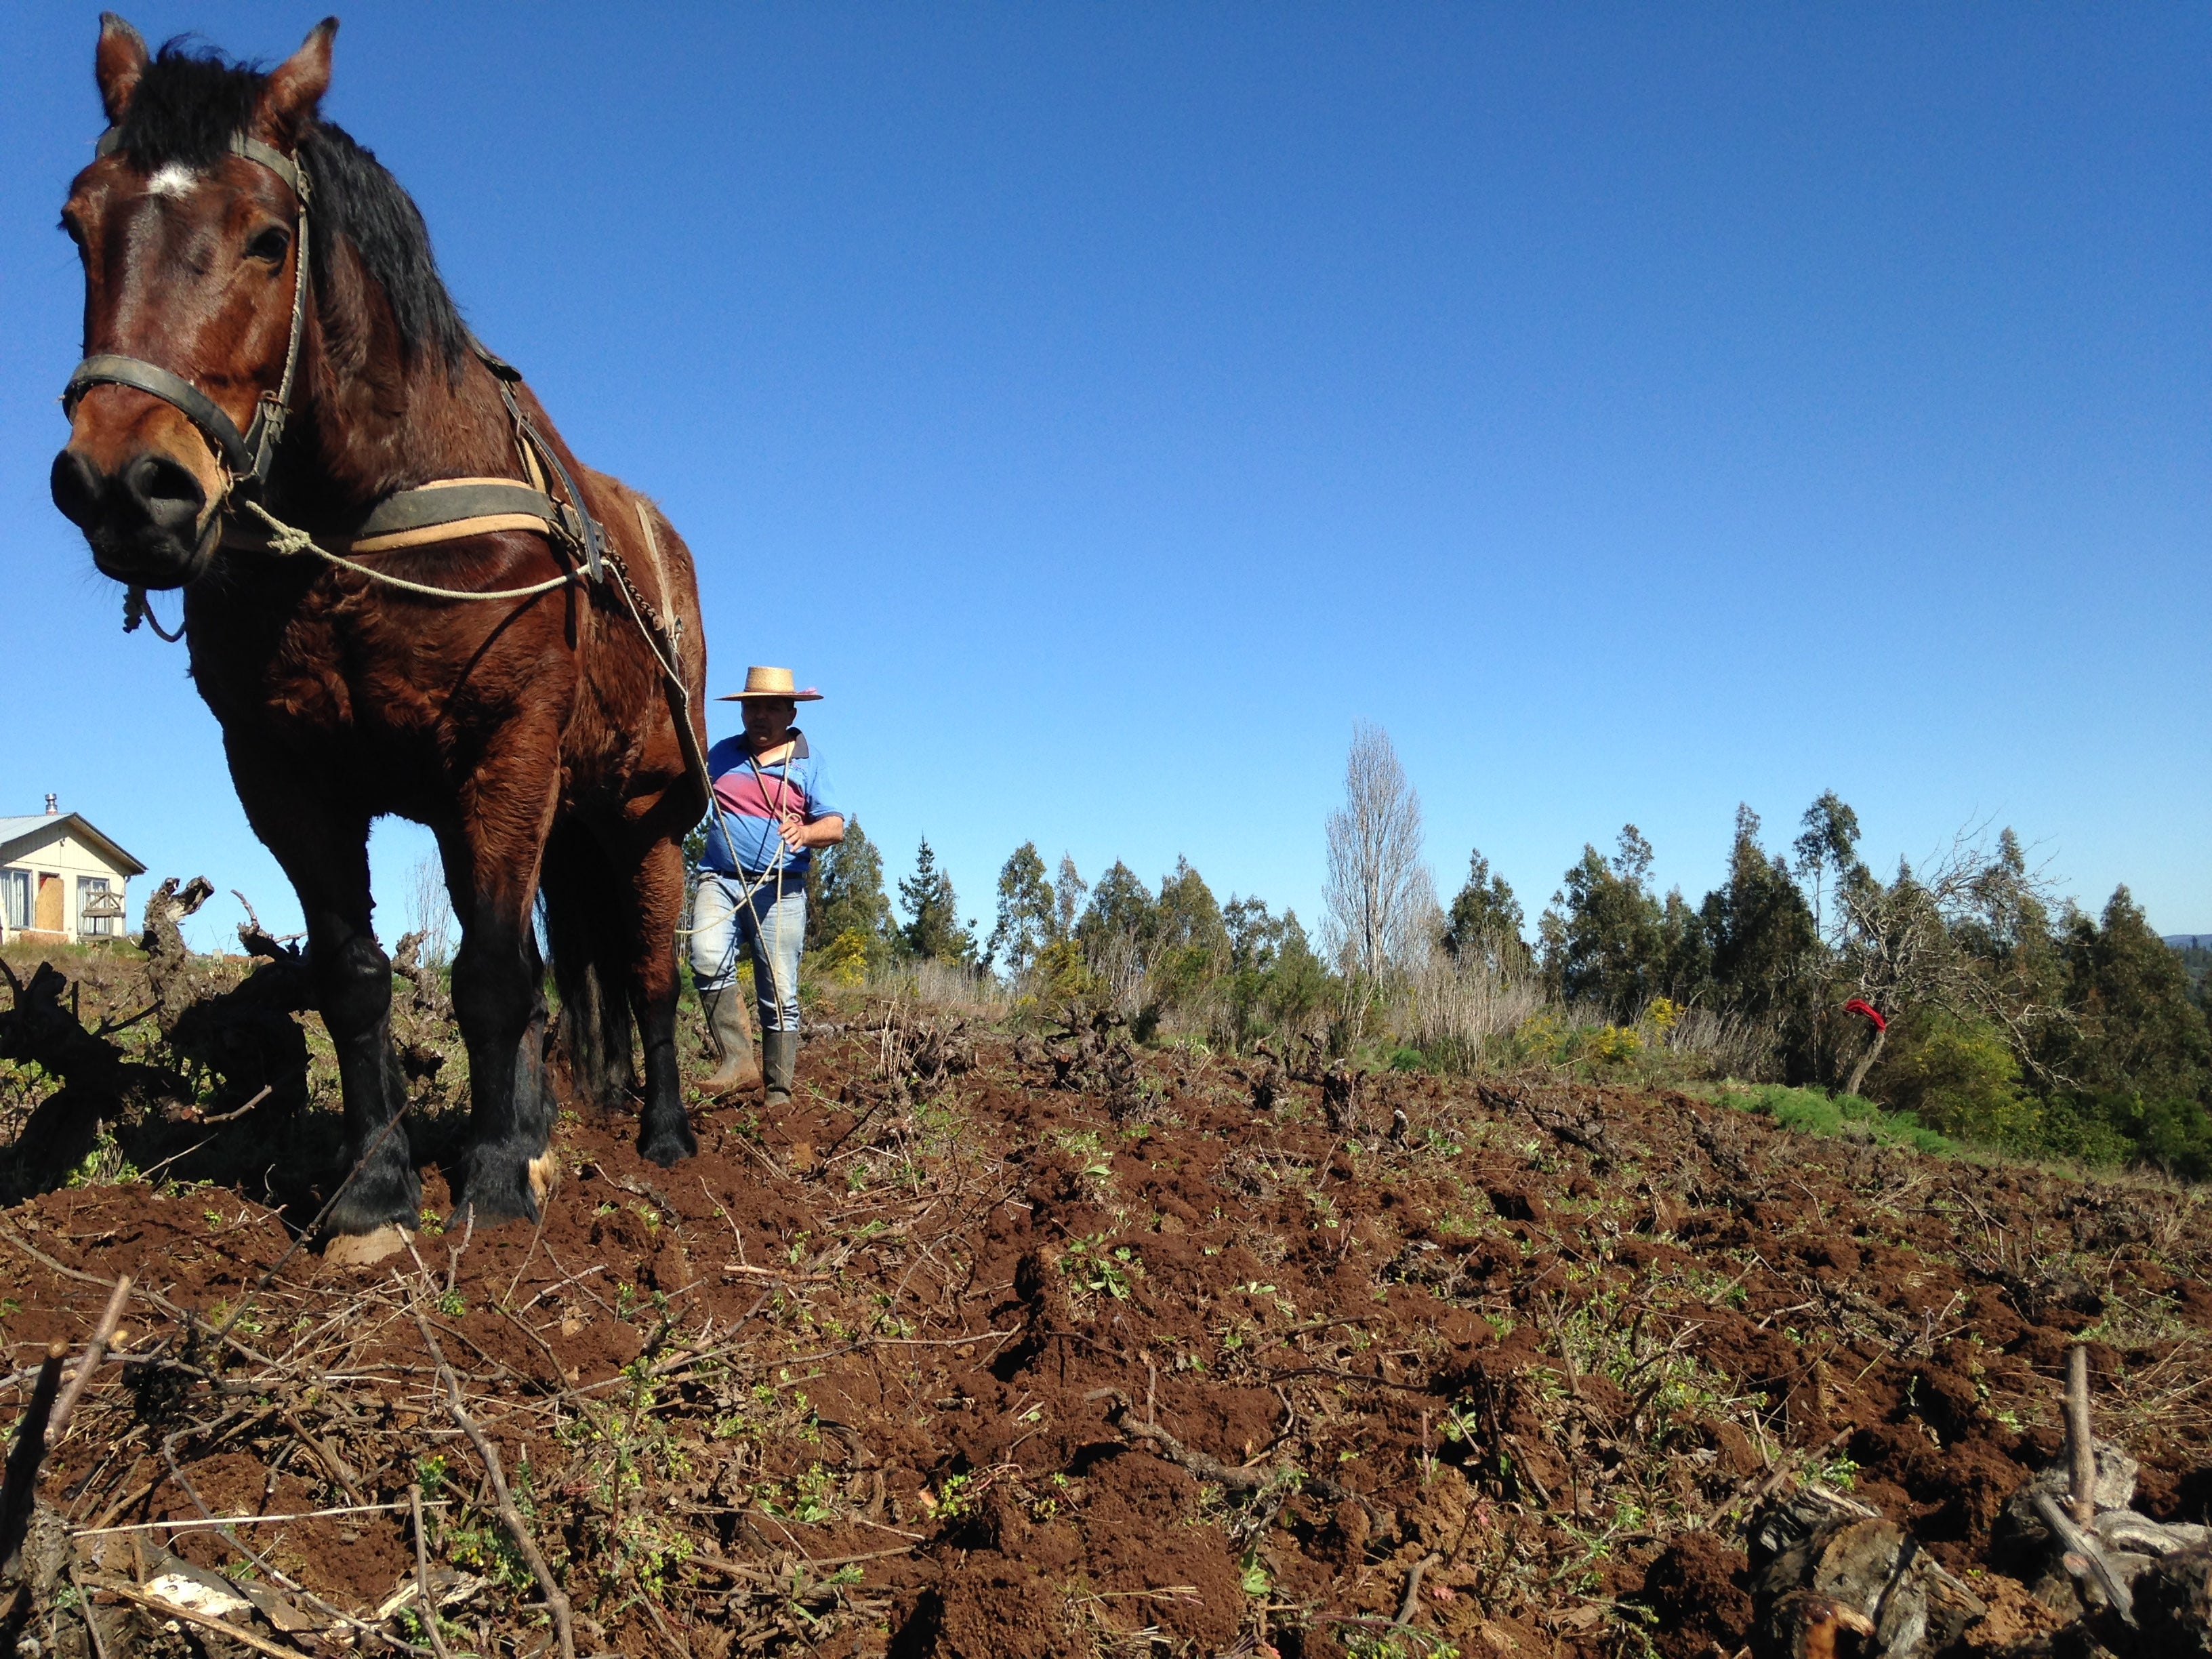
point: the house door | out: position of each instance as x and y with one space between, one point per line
50 903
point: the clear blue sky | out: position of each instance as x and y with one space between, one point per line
1634 409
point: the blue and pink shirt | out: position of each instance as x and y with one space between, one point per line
754 798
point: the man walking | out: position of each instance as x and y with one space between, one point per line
769 783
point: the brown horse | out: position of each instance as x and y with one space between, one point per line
264 328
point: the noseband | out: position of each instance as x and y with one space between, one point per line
246 456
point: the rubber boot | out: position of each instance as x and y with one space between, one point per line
731 1033
781 1049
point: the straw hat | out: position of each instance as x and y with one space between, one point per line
772 682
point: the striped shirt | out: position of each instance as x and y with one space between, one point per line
754 798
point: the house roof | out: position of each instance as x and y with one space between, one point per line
17 834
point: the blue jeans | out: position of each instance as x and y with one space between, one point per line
728 911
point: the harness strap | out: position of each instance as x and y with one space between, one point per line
679 695
584 529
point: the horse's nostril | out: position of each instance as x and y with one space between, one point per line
165 492
77 486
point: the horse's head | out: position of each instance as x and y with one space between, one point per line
192 283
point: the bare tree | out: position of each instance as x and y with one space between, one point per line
431 909
1382 904
1952 936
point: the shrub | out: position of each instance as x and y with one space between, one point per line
1963 1081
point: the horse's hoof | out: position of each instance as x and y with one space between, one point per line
669 1145
361 1250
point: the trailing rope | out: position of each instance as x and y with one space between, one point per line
289 539
137 611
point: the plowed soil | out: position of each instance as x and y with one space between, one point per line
1024 1347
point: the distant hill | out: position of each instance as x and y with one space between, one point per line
2189 941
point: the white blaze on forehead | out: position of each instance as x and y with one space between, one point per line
174 180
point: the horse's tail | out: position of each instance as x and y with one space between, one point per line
587 937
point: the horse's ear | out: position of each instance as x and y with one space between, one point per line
296 86
116 63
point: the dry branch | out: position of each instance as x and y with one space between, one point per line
1227 1476
556 1602
2083 1547
94 1352
425 1600
205 1621
219 1521
1412 1602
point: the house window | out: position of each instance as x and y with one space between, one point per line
15 897
97 910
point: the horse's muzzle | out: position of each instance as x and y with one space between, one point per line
148 521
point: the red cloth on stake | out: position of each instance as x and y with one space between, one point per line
1856 1006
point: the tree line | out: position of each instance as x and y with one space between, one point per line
1963 990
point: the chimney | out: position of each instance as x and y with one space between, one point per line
52 805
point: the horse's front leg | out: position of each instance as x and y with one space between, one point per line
498 994
323 845
664 1133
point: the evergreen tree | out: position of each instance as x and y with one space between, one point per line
845 894
1827 853
1067 899
1187 916
2128 1070
1614 944
2135 1025
1115 932
1758 927
1299 986
1189 945
1273 979
1026 914
933 931
1483 927
1120 913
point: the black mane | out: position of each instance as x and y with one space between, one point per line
189 103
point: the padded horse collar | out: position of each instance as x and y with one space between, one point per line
444 511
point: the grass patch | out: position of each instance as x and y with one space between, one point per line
1815 1112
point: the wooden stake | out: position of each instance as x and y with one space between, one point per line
2081 1449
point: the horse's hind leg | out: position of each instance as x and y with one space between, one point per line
664 1133
499 999
324 847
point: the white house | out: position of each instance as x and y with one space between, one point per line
61 880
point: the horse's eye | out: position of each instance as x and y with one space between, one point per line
270 245
74 231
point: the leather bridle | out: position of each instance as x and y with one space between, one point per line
246 456
445 511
